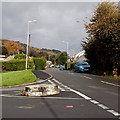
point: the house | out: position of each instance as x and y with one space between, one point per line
80 56
2 57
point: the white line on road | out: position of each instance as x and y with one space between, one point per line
103 106
66 87
51 82
110 83
61 89
80 94
94 101
114 112
58 86
87 77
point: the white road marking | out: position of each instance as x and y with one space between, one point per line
103 106
114 112
80 94
93 101
110 83
66 87
25 107
87 77
56 81
51 82
58 86
61 88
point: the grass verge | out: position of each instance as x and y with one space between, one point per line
17 78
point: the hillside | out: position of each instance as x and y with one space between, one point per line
17 47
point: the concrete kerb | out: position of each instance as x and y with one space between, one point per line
42 81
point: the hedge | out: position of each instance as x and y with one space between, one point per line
16 64
40 63
70 65
20 56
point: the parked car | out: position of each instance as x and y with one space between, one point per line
82 67
62 67
57 66
51 66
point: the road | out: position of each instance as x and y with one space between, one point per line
82 96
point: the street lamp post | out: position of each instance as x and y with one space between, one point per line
28 41
67 43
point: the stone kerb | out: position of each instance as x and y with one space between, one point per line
41 90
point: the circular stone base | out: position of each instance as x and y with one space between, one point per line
41 90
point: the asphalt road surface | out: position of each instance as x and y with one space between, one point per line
82 96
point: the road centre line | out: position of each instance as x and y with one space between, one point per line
110 84
113 112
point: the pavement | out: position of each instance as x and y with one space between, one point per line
41 74
108 79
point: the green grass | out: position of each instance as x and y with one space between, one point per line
17 77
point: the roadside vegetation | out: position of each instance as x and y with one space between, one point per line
13 78
102 47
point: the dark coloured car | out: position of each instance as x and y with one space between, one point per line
82 67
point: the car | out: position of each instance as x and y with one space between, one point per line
57 66
62 67
82 67
51 66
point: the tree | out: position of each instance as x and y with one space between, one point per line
62 58
12 47
3 50
102 47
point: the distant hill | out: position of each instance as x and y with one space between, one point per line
35 52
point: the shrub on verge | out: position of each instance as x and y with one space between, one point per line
40 63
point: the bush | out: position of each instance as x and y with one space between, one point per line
16 64
72 64
69 66
40 63
20 56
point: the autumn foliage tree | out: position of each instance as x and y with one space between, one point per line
12 47
103 42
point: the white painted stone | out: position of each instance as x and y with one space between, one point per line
41 90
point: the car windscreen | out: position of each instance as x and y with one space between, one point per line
85 63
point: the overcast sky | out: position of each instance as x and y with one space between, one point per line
56 22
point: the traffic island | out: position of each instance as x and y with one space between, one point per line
41 90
